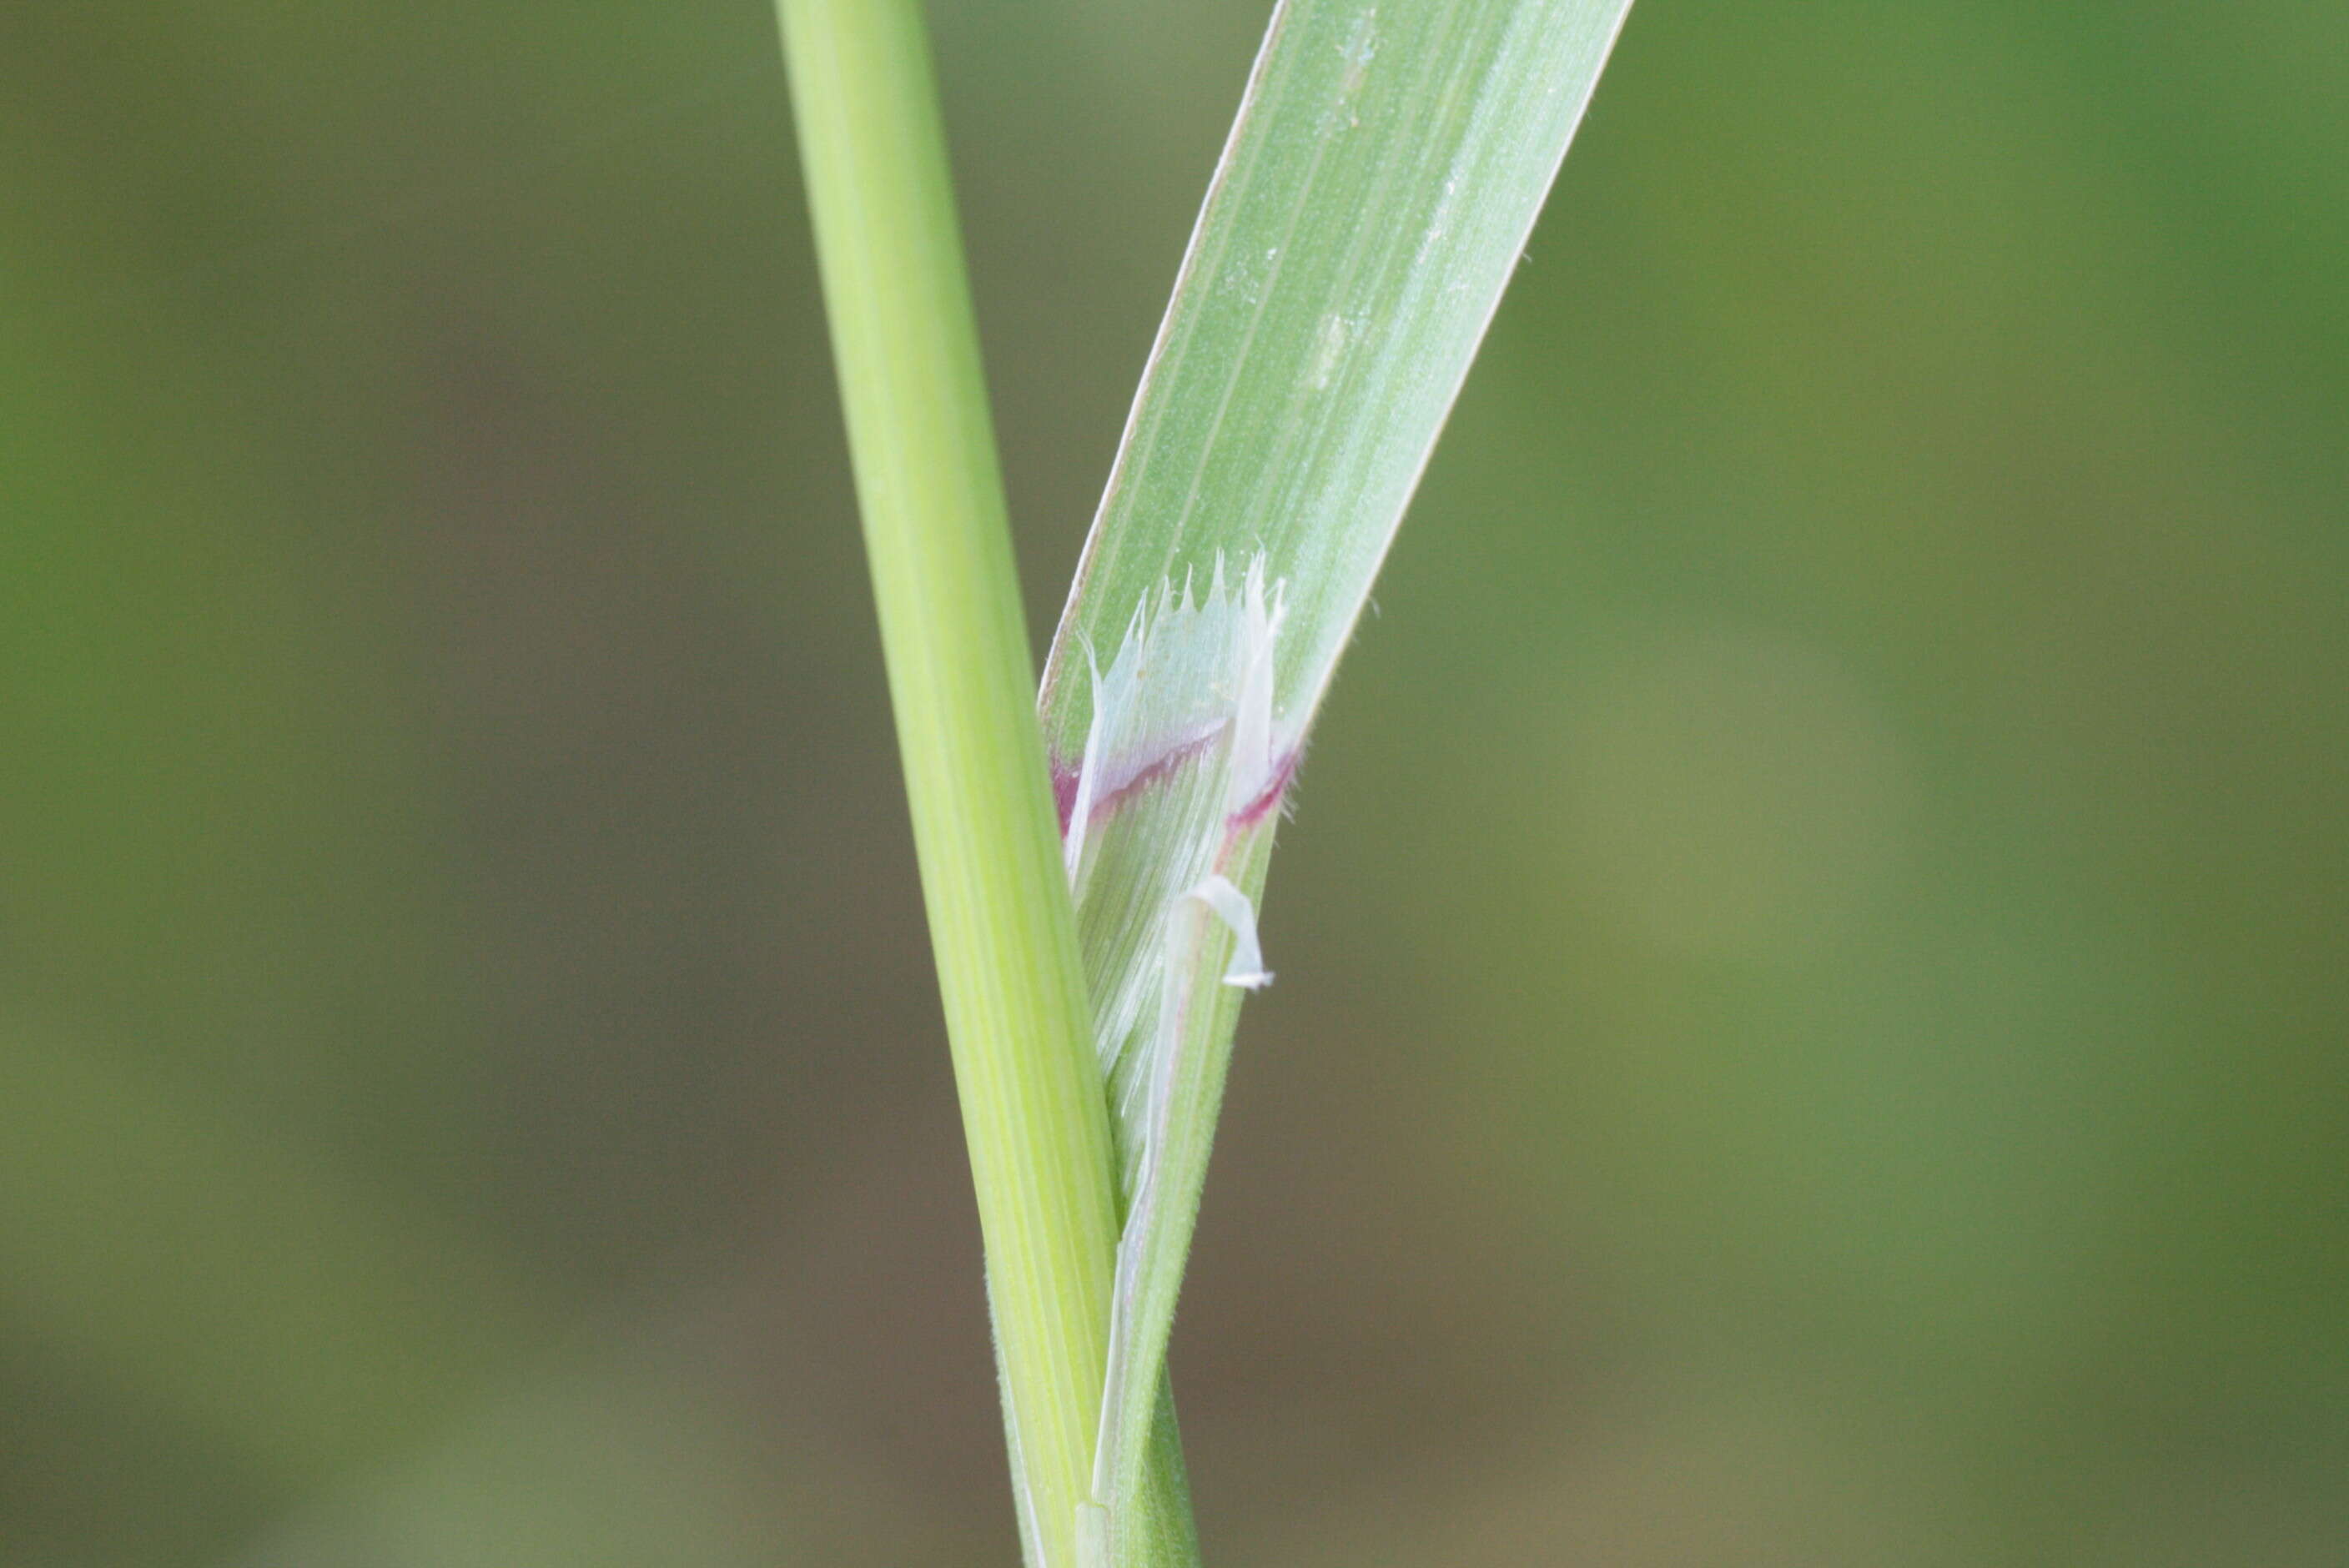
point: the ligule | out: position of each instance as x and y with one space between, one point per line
1185 753
1167 812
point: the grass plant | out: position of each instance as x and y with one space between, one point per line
1375 194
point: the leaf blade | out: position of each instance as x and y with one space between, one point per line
1374 198
1376 192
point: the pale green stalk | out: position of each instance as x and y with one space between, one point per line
961 684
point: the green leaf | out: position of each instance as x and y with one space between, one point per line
1374 196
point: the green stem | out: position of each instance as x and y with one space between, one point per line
962 688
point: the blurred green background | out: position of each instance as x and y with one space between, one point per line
1815 950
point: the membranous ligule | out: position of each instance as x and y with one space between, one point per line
1183 756
1166 819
